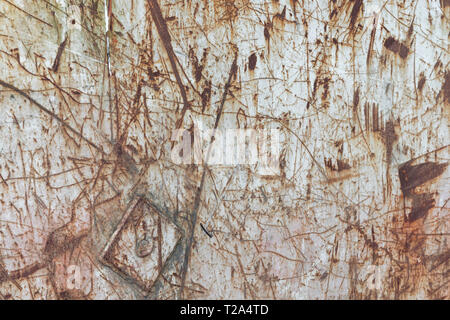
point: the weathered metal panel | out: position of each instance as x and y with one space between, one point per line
98 200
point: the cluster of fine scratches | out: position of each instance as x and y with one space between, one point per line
92 205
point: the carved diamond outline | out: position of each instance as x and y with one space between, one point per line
124 252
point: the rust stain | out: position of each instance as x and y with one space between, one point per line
206 96
397 47
422 203
355 12
58 55
444 3
252 61
412 176
339 166
421 82
446 87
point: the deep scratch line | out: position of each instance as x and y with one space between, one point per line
50 113
185 266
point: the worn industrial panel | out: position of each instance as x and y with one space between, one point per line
343 192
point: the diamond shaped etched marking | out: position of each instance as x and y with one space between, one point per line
141 243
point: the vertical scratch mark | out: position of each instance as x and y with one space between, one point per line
59 54
163 32
190 240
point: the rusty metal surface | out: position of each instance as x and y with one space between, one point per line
94 205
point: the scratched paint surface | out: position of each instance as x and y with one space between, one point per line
92 205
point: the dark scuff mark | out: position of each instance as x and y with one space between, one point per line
252 61
316 81
58 55
411 28
61 240
125 159
268 25
313 92
206 96
439 259
389 138
153 74
138 94
356 100
198 68
323 83
412 176
421 82
438 65
375 118
372 39
355 12
282 14
206 231
366 116
340 165
266 32
446 87
326 87
333 14
422 203
328 163
397 47
444 3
